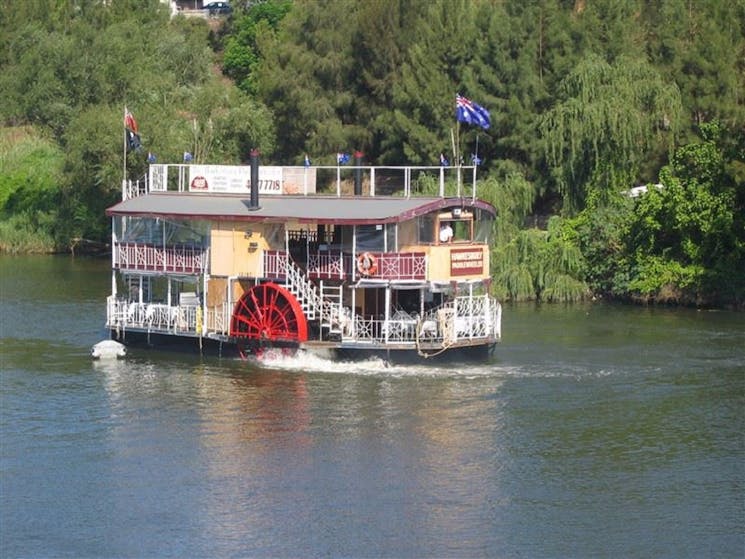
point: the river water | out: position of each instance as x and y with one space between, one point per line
595 431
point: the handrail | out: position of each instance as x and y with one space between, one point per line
176 176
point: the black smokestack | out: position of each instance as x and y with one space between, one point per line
358 173
254 203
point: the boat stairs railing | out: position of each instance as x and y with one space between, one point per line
322 302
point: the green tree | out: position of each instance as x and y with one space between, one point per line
305 76
423 115
608 116
700 46
385 33
241 55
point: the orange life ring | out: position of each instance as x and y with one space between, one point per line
367 264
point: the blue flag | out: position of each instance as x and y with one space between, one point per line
475 159
471 113
444 160
151 157
342 158
307 161
187 157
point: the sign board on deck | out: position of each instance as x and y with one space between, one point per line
467 261
236 179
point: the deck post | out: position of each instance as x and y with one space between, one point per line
354 252
473 193
387 311
204 304
114 249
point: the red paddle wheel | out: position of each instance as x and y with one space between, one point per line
269 312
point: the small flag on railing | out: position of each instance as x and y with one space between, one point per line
151 157
444 160
187 157
342 158
306 161
475 159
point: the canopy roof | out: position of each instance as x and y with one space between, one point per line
310 209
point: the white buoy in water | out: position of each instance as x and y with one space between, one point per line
108 349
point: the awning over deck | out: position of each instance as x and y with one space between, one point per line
308 209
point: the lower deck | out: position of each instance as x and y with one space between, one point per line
463 322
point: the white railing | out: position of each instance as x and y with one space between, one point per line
218 319
328 265
176 176
155 317
464 318
402 265
133 189
176 258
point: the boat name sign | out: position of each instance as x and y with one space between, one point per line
466 261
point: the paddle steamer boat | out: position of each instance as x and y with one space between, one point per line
244 258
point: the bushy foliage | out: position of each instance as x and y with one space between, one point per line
30 171
71 68
686 240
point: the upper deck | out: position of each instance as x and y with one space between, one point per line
394 217
370 181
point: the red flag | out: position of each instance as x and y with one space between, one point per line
129 121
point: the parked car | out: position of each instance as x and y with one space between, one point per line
218 8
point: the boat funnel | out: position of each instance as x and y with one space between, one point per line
254 202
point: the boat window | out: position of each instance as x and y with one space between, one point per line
156 231
370 237
426 228
483 226
391 239
459 222
462 230
274 233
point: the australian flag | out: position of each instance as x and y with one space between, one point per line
306 161
444 160
471 113
188 157
342 158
